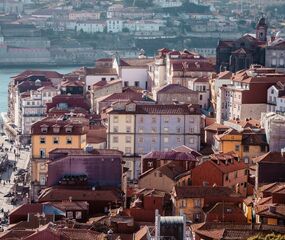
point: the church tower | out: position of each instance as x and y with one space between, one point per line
261 30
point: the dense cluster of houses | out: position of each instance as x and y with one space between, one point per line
146 148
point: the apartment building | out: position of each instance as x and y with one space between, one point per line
246 97
137 129
178 67
33 108
51 133
276 98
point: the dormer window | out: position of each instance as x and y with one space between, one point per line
68 129
44 128
56 128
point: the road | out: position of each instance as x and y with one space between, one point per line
21 163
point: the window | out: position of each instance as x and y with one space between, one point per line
140 139
165 139
236 148
68 140
191 130
44 129
115 139
153 119
103 79
140 129
150 164
42 180
56 129
153 130
137 83
141 119
227 177
126 84
178 119
246 172
228 210
128 150
178 130
246 148
115 129
69 214
78 215
166 119
201 97
128 129
191 140
178 139
197 202
263 148
128 139
56 140
42 153
183 204
68 129
115 119
236 174
42 140
153 139
112 78
165 129
128 119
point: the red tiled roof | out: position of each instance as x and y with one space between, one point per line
97 135
203 191
186 149
70 205
174 89
54 194
81 234
100 71
135 62
215 126
104 60
171 155
170 170
270 157
25 209
160 109
47 74
16 234
79 126
103 83
226 162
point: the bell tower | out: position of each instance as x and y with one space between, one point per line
261 30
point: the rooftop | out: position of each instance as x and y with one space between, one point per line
203 191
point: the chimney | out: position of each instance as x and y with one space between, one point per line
70 199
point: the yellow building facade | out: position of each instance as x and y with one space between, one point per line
49 134
247 145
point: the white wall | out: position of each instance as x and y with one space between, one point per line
90 80
131 75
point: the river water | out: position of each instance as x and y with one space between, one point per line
6 73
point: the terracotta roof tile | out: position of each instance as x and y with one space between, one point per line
174 89
203 191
